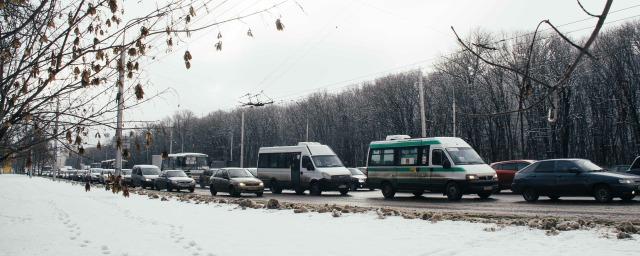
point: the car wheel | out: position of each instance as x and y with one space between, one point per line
627 198
484 195
191 190
274 187
259 194
530 195
212 190
178 189
602 194
344 191
453 192
353 187
234 192
554 198
388 191
299 191
315 189
169 188
372 189
418 193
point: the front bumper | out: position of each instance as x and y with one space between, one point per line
336 183
251 189
183 185
625 189
480 186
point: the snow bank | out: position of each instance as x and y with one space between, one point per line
41 217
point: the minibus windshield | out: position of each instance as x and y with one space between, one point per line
327 161
463 156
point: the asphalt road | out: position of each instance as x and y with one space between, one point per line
507 204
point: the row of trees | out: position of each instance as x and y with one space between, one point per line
597 112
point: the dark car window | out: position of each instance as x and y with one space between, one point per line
565 166
175 174
497 166
546 166
218 174
522 165
509 167
529 168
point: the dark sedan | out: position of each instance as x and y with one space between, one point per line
235 181
174 179
573 177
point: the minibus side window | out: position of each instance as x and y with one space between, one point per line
423 154
408 156
382 157
438 157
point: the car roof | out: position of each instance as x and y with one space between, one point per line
145 165
515 161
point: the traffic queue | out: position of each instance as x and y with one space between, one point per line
399 164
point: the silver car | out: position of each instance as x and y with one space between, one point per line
235 181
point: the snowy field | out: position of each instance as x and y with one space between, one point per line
42 217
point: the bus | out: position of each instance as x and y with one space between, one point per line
193 164
445 165
111 164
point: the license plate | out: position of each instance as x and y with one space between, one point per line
342 186
488 188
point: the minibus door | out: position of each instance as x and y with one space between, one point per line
295 170
437 173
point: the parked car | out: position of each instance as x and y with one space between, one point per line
203 180
144 175
174 179
573 177
235 181
635 167
126 176
507 169
95 174
358 179
104 176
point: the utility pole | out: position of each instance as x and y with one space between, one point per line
423 121
231 146
120 101
242 142
307 137
55 140
454 110
171 140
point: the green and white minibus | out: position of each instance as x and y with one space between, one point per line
445 165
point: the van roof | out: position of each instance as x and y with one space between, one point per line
187 154
446 141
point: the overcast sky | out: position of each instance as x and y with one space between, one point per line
330 44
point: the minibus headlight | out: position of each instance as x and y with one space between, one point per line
472 177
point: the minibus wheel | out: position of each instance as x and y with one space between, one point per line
273 186
388 191
453 192
314 188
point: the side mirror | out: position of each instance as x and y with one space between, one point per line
446 165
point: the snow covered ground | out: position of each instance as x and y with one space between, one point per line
41 217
